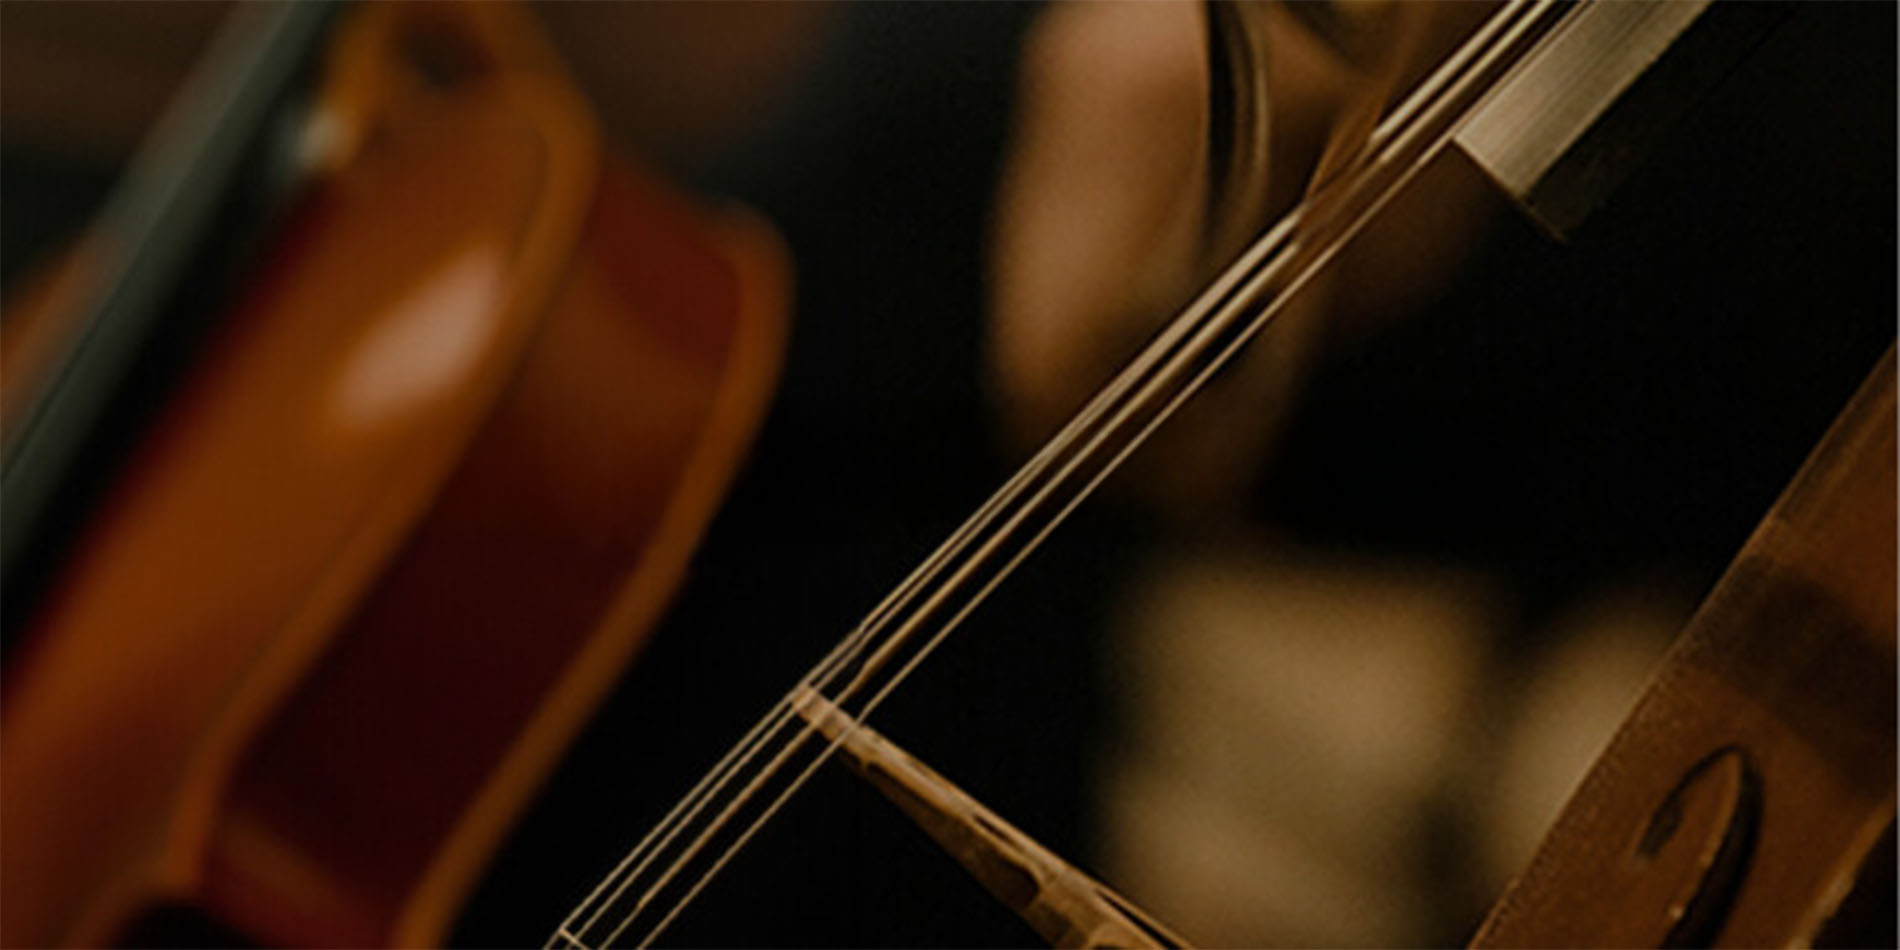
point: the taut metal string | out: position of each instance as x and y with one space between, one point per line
676 859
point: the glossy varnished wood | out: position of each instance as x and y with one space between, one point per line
1745 794
414 509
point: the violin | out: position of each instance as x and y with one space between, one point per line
832 727
437 463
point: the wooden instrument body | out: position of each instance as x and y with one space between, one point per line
1750 790
416 505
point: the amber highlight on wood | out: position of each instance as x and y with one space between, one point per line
419 502
1753 785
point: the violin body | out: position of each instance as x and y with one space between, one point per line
1748 799
418 501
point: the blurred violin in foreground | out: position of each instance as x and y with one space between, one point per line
347 461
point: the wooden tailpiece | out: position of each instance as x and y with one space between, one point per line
1065 905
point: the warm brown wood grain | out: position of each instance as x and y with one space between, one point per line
420 500
1769 730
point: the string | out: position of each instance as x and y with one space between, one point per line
847 648
827 671
902 633
1176 363
976 526
841 653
